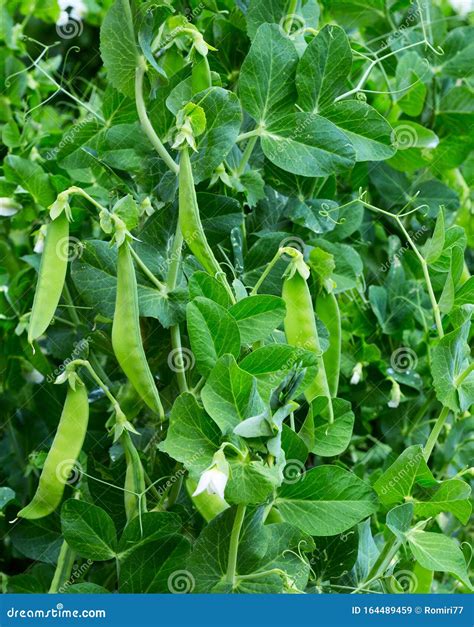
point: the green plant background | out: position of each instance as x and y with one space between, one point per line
338 131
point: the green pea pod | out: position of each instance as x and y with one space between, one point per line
201 76
301 330
328 312
189 219
62 456
52 274
126 337
134 480
208 505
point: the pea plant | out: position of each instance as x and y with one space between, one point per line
235 305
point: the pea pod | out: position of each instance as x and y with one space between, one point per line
126 337
201 75
63 454
52 274
301 330
189 219
208 505
328 312
134 480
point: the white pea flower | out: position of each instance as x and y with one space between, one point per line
214 479
356 374
395 395
463 7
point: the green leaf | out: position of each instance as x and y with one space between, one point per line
39 540
331 439
368 131
450 358
6 496
223 120
257 316
250 482
155 567
449 496
212 333
118 47
307 144
270 364
127 210
336 555
261 548
192 436
397 481
435 245
30 176
230 395
323 69
150 527
326 501
399 520
88 530
411 74
465 294
435 551
266 84
203 284
94 275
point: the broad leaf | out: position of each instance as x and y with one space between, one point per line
230 395
266 84
212 333
88 530
323 69
192 436
257 316
326 501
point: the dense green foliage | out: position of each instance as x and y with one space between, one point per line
235 305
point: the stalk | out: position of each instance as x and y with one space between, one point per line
63 568
234 544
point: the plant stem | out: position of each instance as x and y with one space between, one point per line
424 265
459 379
265 273
161 286
145 120
98 380
63 568
246 155
434 435
381 564
172 279
364 77
234 544
289 16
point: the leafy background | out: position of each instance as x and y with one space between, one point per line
323 120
